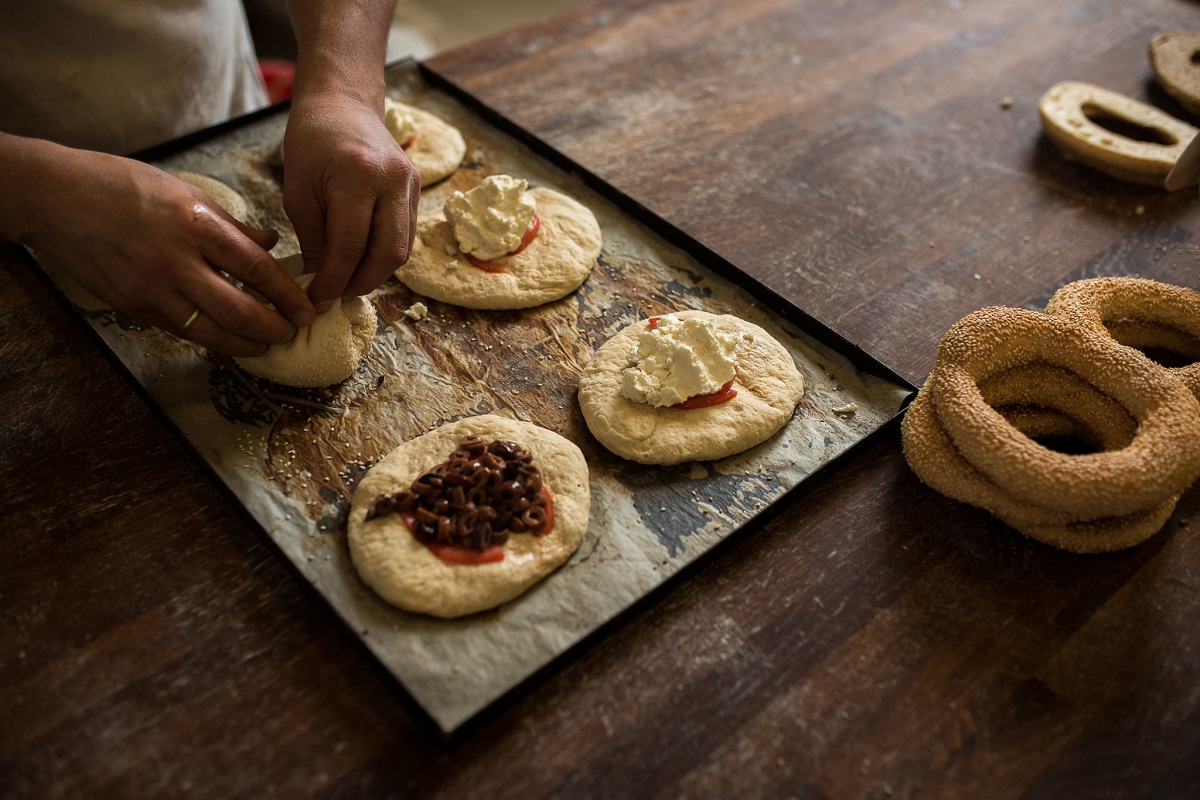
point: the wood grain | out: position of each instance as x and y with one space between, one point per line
872 640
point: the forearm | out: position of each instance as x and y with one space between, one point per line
342 48
28 166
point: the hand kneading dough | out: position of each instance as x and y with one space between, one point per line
222 194
408 575
768 389
554 264
439 147
324 353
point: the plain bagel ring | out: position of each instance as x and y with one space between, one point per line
1162 460
1172 56
1138 313
1071 113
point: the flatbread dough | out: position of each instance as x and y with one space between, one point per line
324 353
408 575
439 147
222 194
554 264
768 389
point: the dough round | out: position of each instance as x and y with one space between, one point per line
408 575
768 389
324 353
439 147
554 264
222 194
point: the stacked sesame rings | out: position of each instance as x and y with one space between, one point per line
1138 313
1005 375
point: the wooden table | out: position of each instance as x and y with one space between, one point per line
879 163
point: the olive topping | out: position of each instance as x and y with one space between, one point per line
474 498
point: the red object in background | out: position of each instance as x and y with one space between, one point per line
278 75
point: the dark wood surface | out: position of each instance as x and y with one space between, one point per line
873 640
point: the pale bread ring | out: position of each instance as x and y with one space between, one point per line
1173 58
1068 111
1162 460
1138 312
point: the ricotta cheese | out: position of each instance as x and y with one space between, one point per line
678 359
490 220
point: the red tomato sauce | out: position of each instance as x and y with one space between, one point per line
458 554
726 392
497 266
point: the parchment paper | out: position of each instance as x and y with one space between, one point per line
293 457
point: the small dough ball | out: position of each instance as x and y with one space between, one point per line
324 353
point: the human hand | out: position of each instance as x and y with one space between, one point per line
151 245
350 192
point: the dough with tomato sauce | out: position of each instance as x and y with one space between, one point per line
406 573
439 147
437 151
768 385
555 263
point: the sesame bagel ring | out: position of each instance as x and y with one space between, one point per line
934 458
1138 313
1052 401
1103 535
1160 462
1037 422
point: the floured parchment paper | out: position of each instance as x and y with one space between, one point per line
293 457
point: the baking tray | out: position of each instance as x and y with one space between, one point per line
291 458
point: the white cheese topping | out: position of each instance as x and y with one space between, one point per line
680 358
400 123
490 220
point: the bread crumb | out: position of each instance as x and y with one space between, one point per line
847 410
1007 102
416 311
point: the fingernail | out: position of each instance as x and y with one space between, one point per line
291 335
324 306
302 318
